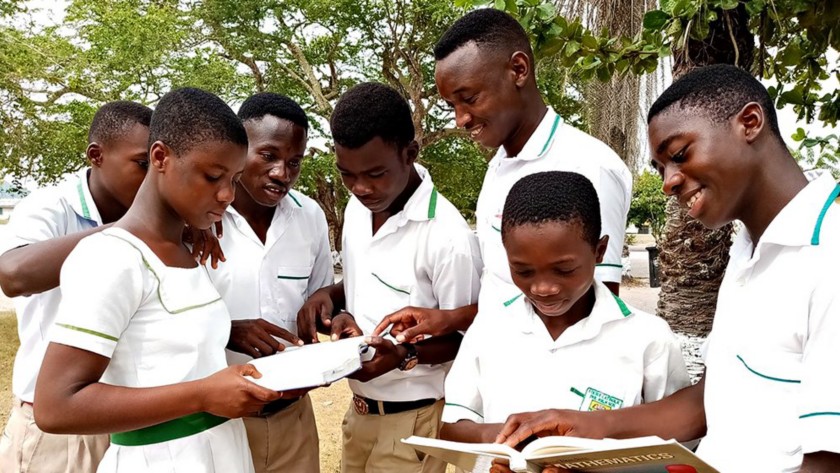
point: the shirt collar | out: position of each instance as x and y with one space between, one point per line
80 198
607 308
422 205
800 221
540 141
288 205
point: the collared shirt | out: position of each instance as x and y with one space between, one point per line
424 256
772 390
554 146
271 281
508 363
43 215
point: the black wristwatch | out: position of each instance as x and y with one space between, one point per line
410 360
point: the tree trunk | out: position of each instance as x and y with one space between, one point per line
692 258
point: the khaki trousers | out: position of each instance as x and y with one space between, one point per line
24 448
286 441
372 442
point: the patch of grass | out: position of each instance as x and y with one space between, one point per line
8 347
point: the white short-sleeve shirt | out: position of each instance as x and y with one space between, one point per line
772 386
158 325
43 215
554 146
424 256
271 281
508 363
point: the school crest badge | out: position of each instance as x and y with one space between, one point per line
595 400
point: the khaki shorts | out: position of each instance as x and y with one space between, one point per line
372 443
24 448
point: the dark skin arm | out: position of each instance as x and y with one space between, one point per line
70 398
316 314
679 416
414 323
820 462
255 337
35 268
388 356
470 432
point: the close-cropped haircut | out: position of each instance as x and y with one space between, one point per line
369 110
186 118
554 197
718 92
114 119
268 103
489 29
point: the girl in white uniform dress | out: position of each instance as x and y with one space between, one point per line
137 350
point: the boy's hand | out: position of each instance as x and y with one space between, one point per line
387 357
228 394
318 309
344 326
520 427
205 244
412 324
255 337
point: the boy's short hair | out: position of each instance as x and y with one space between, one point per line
369 110
269 103
115 118
487 28
719 92
185 118
554 196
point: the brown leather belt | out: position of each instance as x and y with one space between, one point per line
274 407
364 406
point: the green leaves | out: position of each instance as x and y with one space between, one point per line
655 19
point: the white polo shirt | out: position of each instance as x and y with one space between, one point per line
554 146
424 256
271 281
44 214
772 385
508 363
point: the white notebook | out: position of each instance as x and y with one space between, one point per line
311 365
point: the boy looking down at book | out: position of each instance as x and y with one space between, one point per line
404 244
770 398
565 340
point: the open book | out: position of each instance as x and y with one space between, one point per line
311 365
639 455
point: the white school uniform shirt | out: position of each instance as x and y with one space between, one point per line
271 281
508 363
554 146
424 256
772 391
43 215
158 325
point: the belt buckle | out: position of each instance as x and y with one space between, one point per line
360 405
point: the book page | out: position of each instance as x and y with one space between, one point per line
310 365
463 455
557 444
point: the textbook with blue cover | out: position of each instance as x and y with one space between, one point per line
639 455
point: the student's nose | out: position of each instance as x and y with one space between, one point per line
226 192
361 188
544 288
672 180
462 118
278 172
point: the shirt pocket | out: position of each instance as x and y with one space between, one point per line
292 282
391 290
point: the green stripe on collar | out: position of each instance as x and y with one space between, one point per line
511 301
621 305
293 198
815 238
85 210
433 203
550 135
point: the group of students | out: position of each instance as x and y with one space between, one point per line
138 350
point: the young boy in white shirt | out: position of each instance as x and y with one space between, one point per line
485 70
404 245
277 250
770 398
44 228
565 341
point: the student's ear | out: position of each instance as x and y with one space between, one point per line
94 154
159 156
601 249
411 152
520 64
750 121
